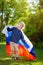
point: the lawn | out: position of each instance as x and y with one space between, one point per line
5 60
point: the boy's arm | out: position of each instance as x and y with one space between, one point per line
22 36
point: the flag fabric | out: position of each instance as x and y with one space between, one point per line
24 48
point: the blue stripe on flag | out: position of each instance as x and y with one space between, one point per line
32 52
8 38
24 43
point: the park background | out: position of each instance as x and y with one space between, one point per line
31 13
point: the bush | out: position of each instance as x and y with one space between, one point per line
38 44
2 37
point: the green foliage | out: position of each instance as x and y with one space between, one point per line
14 11
2 37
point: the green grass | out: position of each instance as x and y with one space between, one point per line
5 60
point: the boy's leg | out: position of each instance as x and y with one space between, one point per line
16 49
12 48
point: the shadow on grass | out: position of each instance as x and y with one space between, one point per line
4 60
15 62
19 62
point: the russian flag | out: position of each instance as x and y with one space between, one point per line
25 47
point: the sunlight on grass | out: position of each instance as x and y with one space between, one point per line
2 43
7 58
37 63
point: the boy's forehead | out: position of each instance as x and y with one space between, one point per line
21 23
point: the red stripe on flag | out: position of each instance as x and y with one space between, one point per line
22 52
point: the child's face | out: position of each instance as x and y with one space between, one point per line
20 26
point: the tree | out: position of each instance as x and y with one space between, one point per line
12 12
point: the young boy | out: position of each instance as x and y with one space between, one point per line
15 36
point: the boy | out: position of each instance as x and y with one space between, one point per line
15 36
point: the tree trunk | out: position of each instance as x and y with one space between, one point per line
2 16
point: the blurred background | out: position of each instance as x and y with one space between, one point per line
29 11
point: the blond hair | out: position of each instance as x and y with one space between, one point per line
23 24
